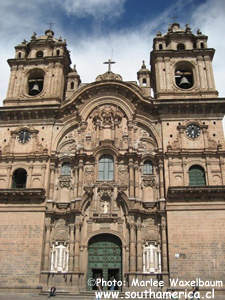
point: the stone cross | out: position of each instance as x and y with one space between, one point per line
109 63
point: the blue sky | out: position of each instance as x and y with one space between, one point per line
96 30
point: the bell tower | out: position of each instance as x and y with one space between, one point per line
38 71
181 65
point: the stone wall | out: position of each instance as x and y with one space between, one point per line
21 235
198 238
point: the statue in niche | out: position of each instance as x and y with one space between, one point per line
105 207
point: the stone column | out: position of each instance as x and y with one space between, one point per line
161 181
131 177
47 244
164 244
139 249
43 171
77 248
208 74
51 180
11 87
71 257
29 177
200 72
80 178
137 183
130 134
205 137
132 247
9 176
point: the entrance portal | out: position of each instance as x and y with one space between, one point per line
104 258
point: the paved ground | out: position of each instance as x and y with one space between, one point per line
21 296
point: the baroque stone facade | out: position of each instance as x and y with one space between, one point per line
104 178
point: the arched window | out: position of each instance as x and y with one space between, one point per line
72 85
66 169
147 168
57 52
180 47
106 168
196 176
19 179
202 45
160 46
19 55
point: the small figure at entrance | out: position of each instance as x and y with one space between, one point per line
112 287
98 285
52 292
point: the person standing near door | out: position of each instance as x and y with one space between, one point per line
99 287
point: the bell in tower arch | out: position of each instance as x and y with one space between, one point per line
35 88
35 82
184 82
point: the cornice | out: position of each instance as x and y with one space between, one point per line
199 106
37 61
196 193
15 113
106 88
22 196
183 54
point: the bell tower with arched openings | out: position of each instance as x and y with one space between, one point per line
181 65
40 71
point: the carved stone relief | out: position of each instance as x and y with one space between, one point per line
107 115
89 175
123 175
65 181
61 230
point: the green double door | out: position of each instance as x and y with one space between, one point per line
104 258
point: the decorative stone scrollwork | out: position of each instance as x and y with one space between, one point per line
107 116
108 76
149 181
123 175
105 192
65 181
89 174
61 231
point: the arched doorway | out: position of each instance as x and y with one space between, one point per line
104 257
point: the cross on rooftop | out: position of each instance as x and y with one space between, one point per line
109 63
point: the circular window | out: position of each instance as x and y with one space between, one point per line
39 54
184 75
35 82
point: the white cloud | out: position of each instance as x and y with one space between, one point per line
209 17
95 8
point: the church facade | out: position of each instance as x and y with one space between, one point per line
105 179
